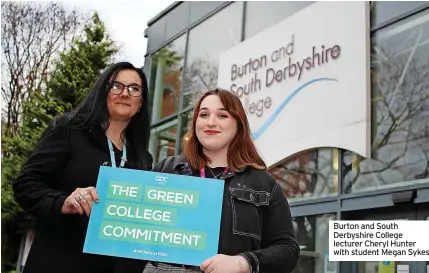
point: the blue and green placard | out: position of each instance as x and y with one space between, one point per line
155 216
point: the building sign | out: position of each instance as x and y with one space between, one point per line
304 82
157 217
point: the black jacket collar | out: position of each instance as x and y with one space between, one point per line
186 169
99 135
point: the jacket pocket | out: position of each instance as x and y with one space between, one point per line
247 211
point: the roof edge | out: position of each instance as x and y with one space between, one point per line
162 13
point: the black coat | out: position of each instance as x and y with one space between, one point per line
66 159
256 219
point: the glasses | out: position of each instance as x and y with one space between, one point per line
116 88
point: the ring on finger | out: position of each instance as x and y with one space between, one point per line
85 193
80 199
76 204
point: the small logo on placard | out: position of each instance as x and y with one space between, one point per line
161 179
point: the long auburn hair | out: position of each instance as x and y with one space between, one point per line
241 151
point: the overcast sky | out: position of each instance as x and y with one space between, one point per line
126 22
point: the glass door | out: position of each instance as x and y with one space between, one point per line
393 213
423 214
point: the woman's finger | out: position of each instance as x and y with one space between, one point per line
210 268
82 202
75 204
206 264
85 194
93 192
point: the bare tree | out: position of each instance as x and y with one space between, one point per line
33 34
400 100
308 174
201 75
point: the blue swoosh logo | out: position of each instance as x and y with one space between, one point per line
270 120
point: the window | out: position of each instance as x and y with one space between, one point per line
206 42
186 123
156 34
384 11
400 110
166 78
384 266
163 141
261 15
309 175
312 233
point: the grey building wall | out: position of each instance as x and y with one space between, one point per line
178 17
182 15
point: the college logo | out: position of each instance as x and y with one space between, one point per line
161 179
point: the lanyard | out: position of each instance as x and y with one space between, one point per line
203 172
112 153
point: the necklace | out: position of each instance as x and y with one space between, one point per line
215 176
119 146
112 153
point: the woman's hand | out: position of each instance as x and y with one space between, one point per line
80 201
223 263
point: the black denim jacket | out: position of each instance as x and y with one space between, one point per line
256 221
